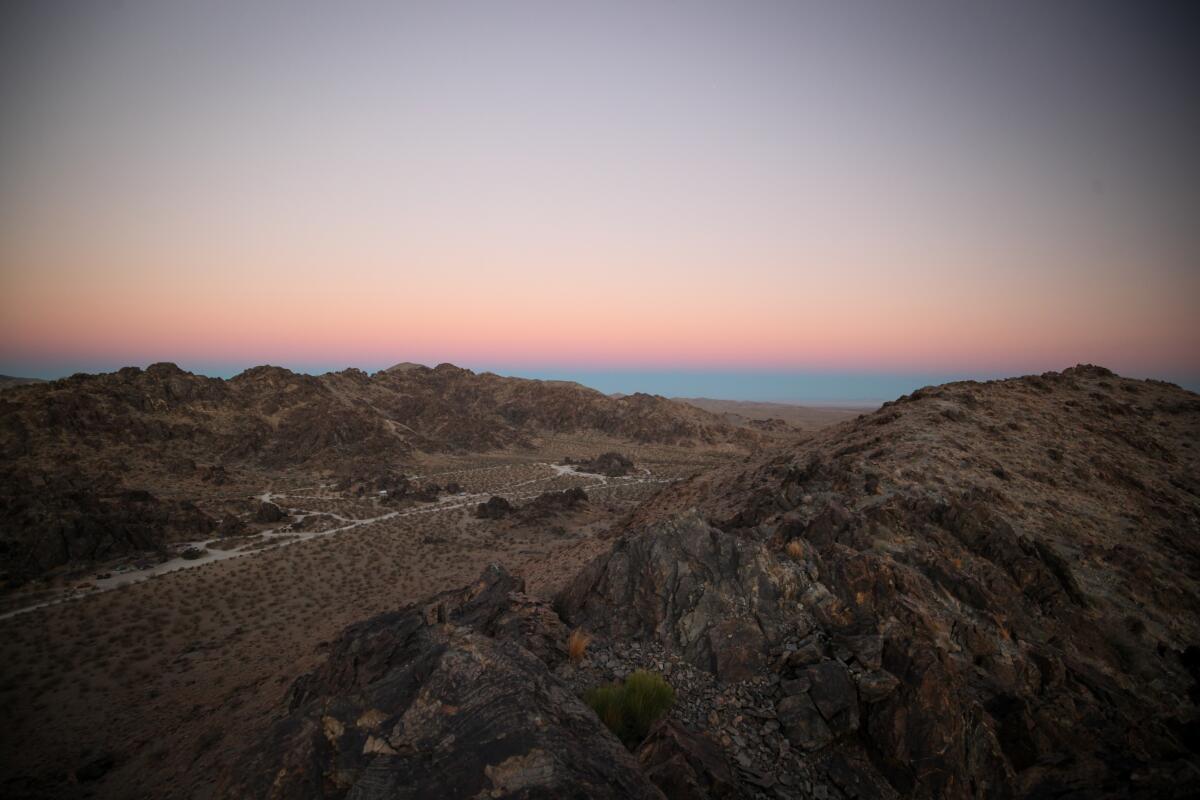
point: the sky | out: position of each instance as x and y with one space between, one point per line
792 200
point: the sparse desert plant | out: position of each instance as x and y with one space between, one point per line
577 644
795 549
630 708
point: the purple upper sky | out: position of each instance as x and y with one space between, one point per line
888 188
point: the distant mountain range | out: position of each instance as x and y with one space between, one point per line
273 417
7 381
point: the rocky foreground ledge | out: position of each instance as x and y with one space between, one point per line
451 698
980 591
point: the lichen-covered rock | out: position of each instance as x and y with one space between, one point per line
802 722
718 599
451 698
684 764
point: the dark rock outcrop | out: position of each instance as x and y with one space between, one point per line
685 765
991 584
215 474
374 482
496 507
718 599
613 465
268 513
426 494
231 525
46 522
452 698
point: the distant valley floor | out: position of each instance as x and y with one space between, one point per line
804 417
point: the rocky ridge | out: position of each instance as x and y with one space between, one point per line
451 698
980 590
135 429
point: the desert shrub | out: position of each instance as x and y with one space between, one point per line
630 708
577 645
795 549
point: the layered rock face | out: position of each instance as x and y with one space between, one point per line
717 598
272 417
49 521
981 590
453 698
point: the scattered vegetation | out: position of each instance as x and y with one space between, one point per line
577 644
630 708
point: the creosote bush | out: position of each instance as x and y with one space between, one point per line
630 708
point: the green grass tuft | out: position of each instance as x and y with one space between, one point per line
630 708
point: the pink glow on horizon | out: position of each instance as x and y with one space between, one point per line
737 328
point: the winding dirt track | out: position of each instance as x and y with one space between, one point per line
286 534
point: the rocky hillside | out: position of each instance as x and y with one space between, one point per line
8 381
273 417
452 698
979 591
74 448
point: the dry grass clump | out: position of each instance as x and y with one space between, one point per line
577 644
795 549
630 708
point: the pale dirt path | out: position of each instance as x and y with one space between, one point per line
283 536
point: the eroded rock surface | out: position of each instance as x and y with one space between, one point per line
46 521
994 588
452 698
718 598
684 764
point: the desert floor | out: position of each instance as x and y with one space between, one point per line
805 418
169 673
